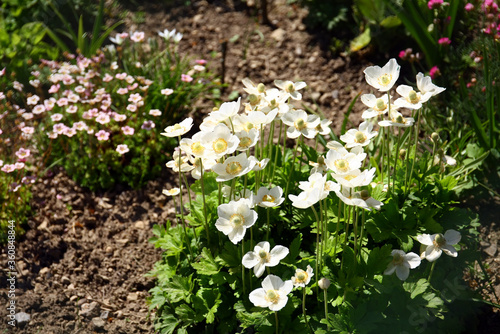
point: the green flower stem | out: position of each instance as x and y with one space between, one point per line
202 182
277 324
242 266
326 309
188 243
261 142
396 159
276 155
415 148
293 167
270 146
337 229
382 133
347 222
362 227
388 162
318 253
433 155
355 228
268 223
432 270
304 309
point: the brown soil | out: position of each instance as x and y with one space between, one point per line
82 263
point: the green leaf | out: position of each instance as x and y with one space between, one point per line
207 264
168 324
390 22
416 288
180 288
361 41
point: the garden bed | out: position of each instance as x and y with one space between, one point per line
83 260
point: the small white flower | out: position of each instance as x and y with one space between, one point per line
424 85
261 257
171 192
122 149
233 167
291 88
226 110
167 91
247 139
343 162
273 294
439 243
174 164
397 120
220 140
360 137
302 277
178 129
383 78
259 165
355 178
377 106
234 219
300 123
411 99
268 198
402 263
361 199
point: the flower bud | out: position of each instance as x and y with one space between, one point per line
261 88
435 137
324 283
402 154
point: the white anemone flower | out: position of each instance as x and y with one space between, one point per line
355 178
233 167
234 219
439 243
360 199
260 118
397 120
300 123
171 192
261 257
359 137
273 294
410 98
302 277
247 139
220 140
178 129
424 85
377 106
252 88
227 110
199 163
402 263
336 146
343 162
383 78
174 164
268 198
244 123
274 99
291 88
323 127
259 165
314 189
193 146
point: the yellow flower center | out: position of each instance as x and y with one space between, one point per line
290 88
268 198
273 104
399 119
299 124
177 127
385 79
253 99
301 277
439 241
249 126
359 137
380 105
342 165
233 168
197 148
237 219
263 254
398 259
413 97
349 177
219 146
272 296
245 142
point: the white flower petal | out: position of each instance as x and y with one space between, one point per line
402 272
452 237
450 250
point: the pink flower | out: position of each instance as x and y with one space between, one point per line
122 149
2 72
19 165
23 153
102 135
121 76
33 100
14 187
186 78
9 168
28 130
102 118
444 41
128 131
107 77
80 126
56 117
434 4
122 91
119 117
155 112
148 125
38 109
72 109
200 61
69 132
62 102
434 72
199 68
59 128
137 36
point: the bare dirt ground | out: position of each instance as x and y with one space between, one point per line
82 263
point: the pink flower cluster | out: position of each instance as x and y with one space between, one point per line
435 4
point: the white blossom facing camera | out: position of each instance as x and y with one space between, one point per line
402 263
268 198
234 219
233 167
302 277
359 137
261 257
383 78
291 88
439 243
273 294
